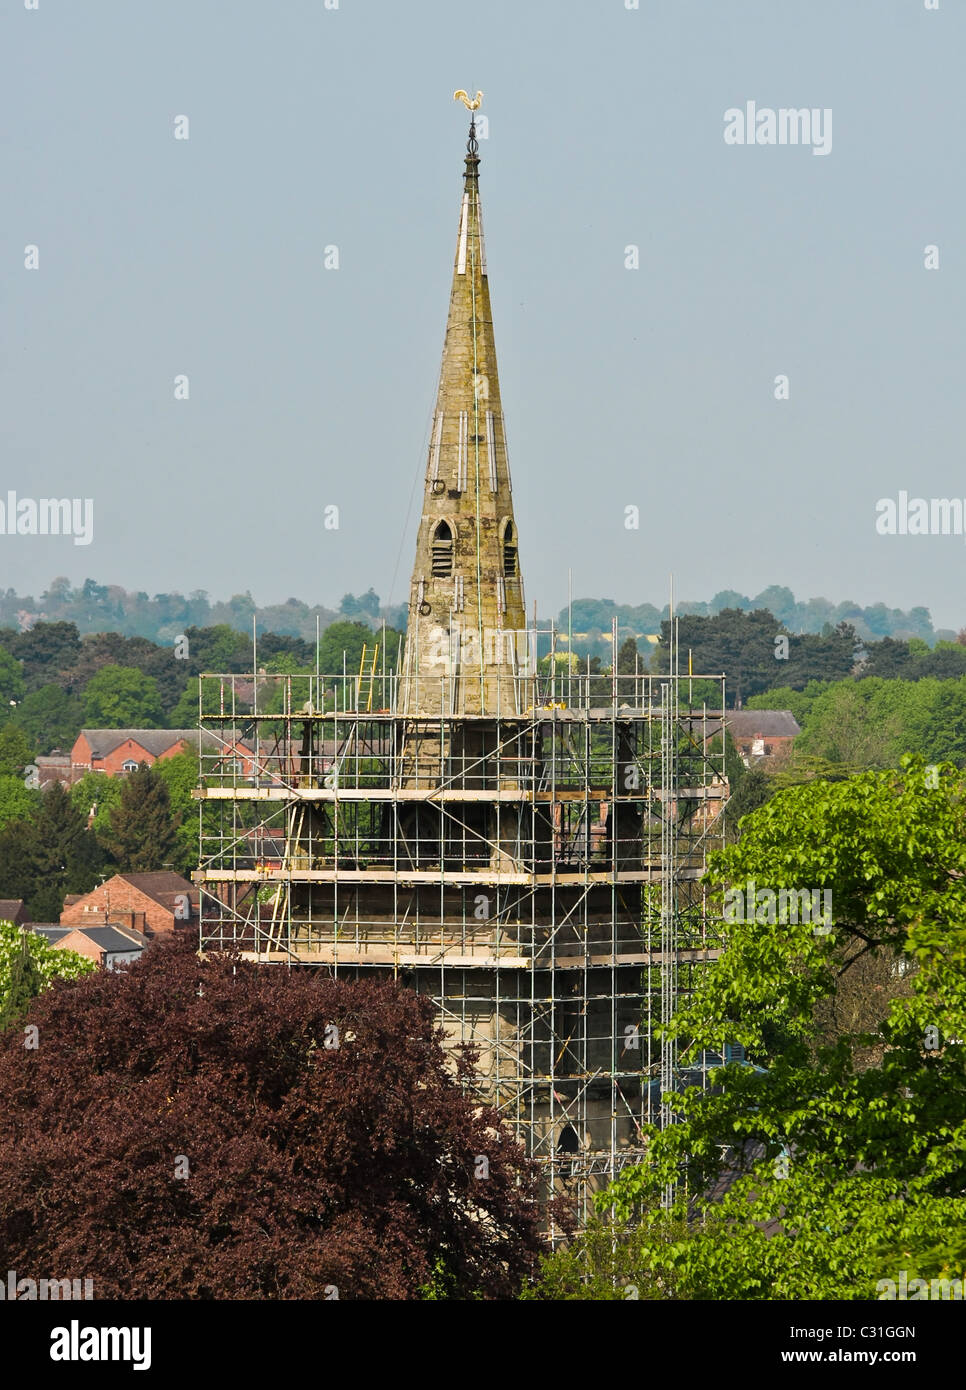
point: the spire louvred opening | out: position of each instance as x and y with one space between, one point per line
442 551
509 552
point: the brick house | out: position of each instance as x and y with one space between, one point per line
109 945
117 752
762 733
152 903
122 750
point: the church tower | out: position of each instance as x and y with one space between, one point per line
509 841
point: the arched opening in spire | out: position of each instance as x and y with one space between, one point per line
442 550
509 551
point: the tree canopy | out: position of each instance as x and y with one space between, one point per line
50 718
349 638
240 1131
143 831
47 963
871 722
53 853
17 802
843 1159
753 649
12 688
122 697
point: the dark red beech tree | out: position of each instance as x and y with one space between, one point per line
191 1128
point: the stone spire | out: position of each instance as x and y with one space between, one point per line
466 648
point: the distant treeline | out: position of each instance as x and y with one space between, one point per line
96 607
110 608
592 617
756 652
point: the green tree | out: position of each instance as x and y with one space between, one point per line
872 722
16 750
184 715
779 601
60 854
559 663
743 646
591 613
800 702
729 599
98 792
17 802
935 723
364 603
349 638
832 655
19 871
608 1262
242 609
629 659
272 644
144 831
740 644
47 651
25 983
839 727
946 661
889 658
218 649
46 963
749 791
112 649
845 1157
698 693
50 718
12 688
180 776
121 697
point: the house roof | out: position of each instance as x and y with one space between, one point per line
9 908
162 885
153 741
113 938
103 742
50 931
137 938
762 723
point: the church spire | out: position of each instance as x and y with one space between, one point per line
465 641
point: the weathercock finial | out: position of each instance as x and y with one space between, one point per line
471 104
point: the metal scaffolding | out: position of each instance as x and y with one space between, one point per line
537 872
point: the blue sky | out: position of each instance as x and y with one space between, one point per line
311 387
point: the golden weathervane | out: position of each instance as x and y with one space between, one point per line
471 103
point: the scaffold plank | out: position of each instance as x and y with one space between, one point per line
414 877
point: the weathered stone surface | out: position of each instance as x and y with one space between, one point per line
466 645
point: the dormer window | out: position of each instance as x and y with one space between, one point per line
442 551
129 765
